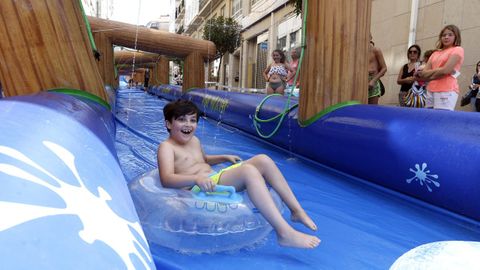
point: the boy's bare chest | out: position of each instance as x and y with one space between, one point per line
184 157
187 158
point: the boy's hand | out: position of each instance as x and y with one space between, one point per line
233 158
205 183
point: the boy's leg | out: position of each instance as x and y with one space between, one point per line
270 172
248 177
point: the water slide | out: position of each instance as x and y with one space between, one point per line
380 198
362 225
72 173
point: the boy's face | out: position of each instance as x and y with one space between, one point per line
183 128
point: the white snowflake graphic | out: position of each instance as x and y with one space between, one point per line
423 176
93 211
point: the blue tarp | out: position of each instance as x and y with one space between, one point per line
362 225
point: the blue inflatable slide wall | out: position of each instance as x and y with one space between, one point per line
64 201
426 154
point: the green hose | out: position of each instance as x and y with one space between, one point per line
287 108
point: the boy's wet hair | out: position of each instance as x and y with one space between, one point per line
175 109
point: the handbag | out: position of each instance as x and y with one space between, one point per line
416 96
467 97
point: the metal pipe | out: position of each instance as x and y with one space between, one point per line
413 23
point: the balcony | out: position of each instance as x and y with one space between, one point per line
205 8
179 14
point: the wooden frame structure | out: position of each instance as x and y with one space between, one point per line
335 65
46 46
163 43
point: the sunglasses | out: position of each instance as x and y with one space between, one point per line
415 52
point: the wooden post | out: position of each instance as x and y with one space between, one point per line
152 40
194 71
157 64
106 62
127 68
140 57
161 71
335 65
139 76
45 45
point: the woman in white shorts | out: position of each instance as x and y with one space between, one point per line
442 70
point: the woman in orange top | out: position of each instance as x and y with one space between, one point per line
442 70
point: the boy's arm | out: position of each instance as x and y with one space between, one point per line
165 159
215 159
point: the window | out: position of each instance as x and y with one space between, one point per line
261 65
236 7
222 11
282 43
201 4
295 39
154 25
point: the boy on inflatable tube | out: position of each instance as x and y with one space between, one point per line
183 164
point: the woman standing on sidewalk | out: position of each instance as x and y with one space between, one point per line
442 70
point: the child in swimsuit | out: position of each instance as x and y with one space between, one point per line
276 74
183 164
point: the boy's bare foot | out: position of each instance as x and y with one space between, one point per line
301 216
298 239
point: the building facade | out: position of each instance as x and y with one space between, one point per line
161 23
266 25
99 8
395 25
192 16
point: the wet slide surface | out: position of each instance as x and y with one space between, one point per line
361 226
